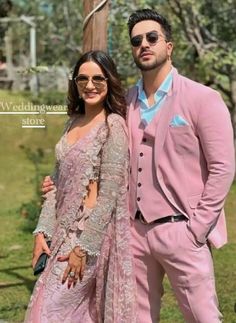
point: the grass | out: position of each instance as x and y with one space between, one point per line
16 187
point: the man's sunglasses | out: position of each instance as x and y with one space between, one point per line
152 38
98 81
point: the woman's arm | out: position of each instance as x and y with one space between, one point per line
47 218
113 168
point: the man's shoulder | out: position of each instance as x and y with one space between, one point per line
197 95
194 87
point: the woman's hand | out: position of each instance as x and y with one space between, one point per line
76 265
47 184
40 246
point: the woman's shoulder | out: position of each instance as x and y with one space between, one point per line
117 123
116 119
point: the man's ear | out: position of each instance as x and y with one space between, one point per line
170 47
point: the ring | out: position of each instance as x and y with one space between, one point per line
72 274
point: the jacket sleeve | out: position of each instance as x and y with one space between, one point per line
216 138
112 174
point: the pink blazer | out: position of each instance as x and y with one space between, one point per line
195 162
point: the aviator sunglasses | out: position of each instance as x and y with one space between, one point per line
98 81
151 37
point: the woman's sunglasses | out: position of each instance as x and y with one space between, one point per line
151 37
98 81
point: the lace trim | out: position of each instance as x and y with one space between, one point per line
47 218
113 164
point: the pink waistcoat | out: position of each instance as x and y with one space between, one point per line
143 178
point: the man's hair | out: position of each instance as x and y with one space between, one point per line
149 14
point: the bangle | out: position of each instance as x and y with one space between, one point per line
41 232
80 255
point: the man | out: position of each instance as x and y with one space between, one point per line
182 166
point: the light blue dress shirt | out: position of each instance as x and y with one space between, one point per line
147 113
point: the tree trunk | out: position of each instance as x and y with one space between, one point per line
95 31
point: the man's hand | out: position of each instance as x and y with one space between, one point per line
47 185
76 265
40 246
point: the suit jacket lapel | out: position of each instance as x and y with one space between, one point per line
131 99
165 117
162 126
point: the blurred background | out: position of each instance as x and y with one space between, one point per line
40 41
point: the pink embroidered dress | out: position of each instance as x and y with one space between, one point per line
107 291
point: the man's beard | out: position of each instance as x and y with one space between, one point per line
146 66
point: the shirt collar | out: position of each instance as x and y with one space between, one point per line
164 87
139 85
166 84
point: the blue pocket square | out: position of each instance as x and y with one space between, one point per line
178 121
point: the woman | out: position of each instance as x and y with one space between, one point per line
88 276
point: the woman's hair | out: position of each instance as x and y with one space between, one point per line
150 14
115 99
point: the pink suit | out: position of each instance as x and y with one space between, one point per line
193 165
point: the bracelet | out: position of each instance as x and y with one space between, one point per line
82 255
41 232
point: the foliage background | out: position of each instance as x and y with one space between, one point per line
205 50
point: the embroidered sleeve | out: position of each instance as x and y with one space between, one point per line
112 173
47 217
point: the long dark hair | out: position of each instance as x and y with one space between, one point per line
115 99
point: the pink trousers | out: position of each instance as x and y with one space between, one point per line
170 248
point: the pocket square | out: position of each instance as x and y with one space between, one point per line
178 121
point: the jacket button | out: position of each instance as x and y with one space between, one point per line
140 169
138 199
139 184
141 154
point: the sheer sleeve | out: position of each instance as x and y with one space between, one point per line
112 174
47 218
